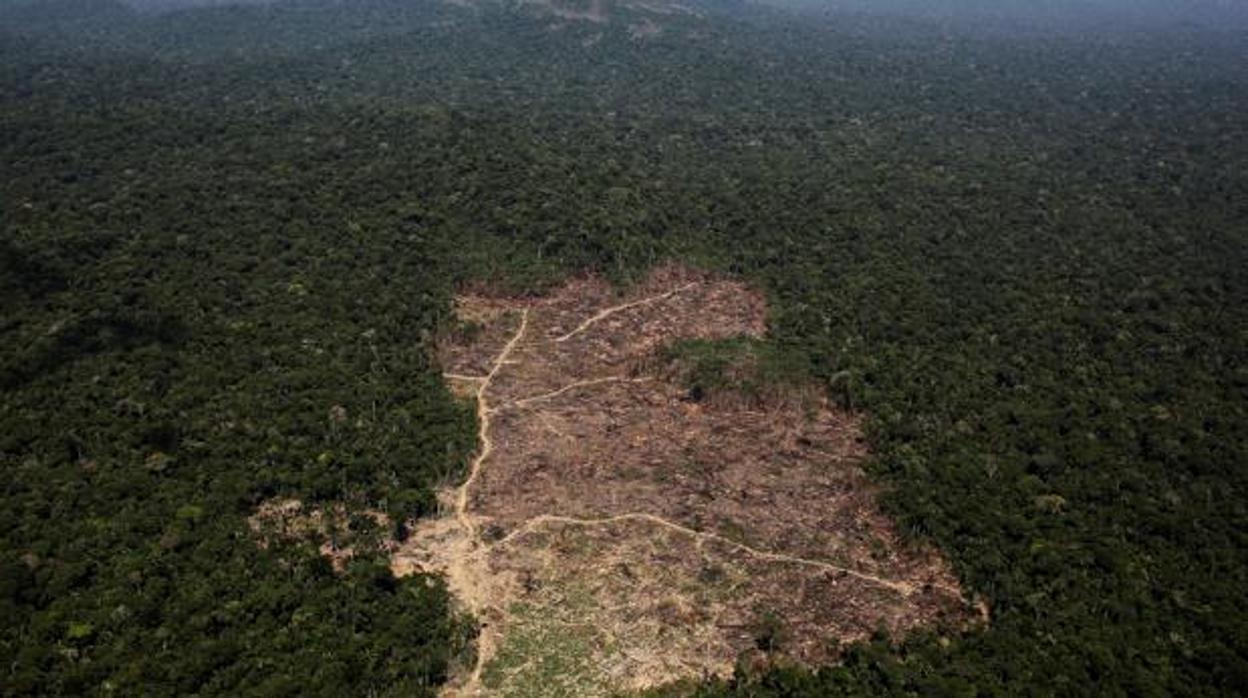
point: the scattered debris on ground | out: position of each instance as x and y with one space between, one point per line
616 532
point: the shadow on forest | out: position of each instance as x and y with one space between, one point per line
109 331
25 273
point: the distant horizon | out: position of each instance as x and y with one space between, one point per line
1047 11
1093 13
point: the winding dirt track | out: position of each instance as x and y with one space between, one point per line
483 435
466 548
901 587
603 314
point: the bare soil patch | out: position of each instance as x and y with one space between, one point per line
329 529
615 534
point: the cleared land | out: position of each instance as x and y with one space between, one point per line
614 533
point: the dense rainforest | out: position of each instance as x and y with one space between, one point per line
231 234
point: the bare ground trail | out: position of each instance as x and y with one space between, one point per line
613 535
483 435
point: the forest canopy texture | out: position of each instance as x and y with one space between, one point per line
231 236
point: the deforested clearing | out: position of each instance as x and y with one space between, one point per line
616 531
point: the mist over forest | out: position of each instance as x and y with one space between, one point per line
1104 15
1068 14
1007 242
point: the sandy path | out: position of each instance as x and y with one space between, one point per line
903 588
464 556
483 435
604 314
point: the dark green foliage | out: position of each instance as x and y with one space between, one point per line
1024 259
744 368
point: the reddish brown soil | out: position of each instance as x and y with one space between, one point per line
684 523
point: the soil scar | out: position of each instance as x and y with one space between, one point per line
456 546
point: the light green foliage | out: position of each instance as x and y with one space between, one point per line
550 652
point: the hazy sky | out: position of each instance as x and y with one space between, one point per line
1233 13
1066 11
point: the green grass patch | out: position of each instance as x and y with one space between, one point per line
550 652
